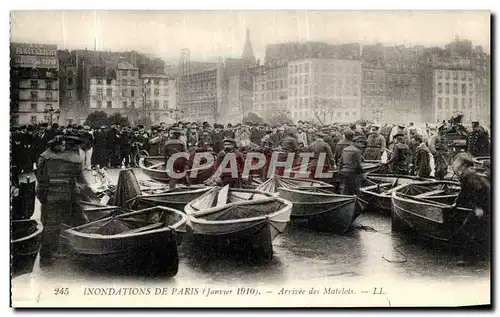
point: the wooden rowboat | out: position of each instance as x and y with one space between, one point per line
238 219
322 207
176 198
25 243
131 195
374 179
378 197
272 184
426 216
154 168
141 239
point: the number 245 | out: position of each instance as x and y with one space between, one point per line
61 291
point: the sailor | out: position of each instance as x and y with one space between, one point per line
173 146
100 154
86 147
400 159
350 166
59 173
218 137
439 149
421 159
342 144
227 178
478 143
375 145
41 140
290 143
474 193
318 147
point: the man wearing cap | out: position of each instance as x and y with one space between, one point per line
318 147
439 149
421 159
99 153
227 178
474 193
350 165
173 146
218 137
289 143
86 147
400 158
41 140
59 174
375 145
478 143
342 144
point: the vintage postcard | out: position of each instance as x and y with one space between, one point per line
250 158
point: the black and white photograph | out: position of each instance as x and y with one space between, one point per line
250 158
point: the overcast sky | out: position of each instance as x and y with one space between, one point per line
209 34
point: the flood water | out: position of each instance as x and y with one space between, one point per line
369 249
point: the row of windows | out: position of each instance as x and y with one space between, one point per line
455 75
158 82
156 92
338 114
132 73
48 95
373 87
34 106
462 91
299 91
155 104
299 68
299 80
35 84
109 92
276 84
455 103
348 69
372 75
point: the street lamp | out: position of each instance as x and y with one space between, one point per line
50 112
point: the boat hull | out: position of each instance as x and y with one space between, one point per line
176 200
146 252
372 202
444 225
25 248
331 212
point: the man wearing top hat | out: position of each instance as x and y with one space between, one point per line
439 149
375 145
59 173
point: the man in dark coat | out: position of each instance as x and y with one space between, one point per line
421 159
342 144
475 192
126 146
41 140
227 178
100 152
350 167
218 137
400 159
318 147
375 145
478 143
58 176
86 147
173 146
439 149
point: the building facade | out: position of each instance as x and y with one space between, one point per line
454 92
159 96
34 84
374 94
200 95
325 90
270 93
403 97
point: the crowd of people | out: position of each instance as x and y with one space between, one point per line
59 155
406 147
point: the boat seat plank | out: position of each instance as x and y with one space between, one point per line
222 196
141 229
431 193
